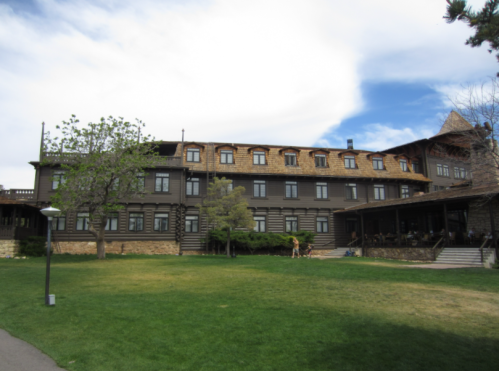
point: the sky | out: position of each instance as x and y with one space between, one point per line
285 72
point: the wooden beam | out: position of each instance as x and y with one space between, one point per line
446 223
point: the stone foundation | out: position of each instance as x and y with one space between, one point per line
320 252
119 247
403 253
8 248
479 216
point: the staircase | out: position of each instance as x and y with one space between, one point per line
336 253
462 256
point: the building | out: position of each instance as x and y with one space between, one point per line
288 189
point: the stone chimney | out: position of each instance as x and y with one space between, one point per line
484 159
349 143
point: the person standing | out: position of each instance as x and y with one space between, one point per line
296 248
309 251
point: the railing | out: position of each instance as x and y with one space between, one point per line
6 232
67 158
18 194
435 248
10 232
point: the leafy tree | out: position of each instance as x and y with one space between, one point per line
226 208
485 23
101 163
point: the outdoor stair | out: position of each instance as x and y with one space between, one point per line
336 253
462 255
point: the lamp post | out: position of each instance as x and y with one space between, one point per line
49 212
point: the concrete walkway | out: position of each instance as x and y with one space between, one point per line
18 355
439 266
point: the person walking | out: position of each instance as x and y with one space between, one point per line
309 251
296 248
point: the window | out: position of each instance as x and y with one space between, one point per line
379 192
57 179
435 188
403 165
291 189
161 222
136 222
404 192
259 188
290 159
349 162
457 174
378 163
291 224
230 187
322 224
192 187
226 157
415 166
321 190
463 173
162 182
440 170
141 182
260 223
191 223
446 170
320 160
258 158
351 191
112 222
192 154
59 223
82 221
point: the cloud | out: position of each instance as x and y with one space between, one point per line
260 71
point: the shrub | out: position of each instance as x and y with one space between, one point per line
33 246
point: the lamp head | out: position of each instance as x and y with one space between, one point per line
50 212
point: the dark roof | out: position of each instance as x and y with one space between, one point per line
449 194
8 201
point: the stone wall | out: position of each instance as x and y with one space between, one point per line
479 216
320 252
403 253
8 248
119 247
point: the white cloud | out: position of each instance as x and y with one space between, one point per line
264 71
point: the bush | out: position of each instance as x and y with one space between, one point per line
33 246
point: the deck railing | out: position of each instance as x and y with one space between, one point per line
18 194
9 232
66 158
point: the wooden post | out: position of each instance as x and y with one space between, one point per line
399 243
446 223
362 231
492 227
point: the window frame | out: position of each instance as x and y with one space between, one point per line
192 153
193 224
159 217
351 159
162 178
59 175
141 181
84 217
294 220
322 224
321 190
112 217
192 182
415 166
321 158
378 195
293 189
446 171
136 217
350 187
440 171
259 155
225 155
376 163
262 184
404 165
259 221
290 159
404 191
56 220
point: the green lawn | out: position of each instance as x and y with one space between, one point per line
252 313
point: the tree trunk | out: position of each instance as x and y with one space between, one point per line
101 247
228 243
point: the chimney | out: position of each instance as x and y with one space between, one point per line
349 143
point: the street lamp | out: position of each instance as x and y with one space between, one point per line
49 212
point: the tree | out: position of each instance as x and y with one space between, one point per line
479 106
226 208
101 164
485 23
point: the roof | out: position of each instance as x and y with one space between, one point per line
8 201
449 194
454 122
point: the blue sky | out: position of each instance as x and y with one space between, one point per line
292 72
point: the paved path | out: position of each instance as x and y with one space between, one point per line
440 266
18 355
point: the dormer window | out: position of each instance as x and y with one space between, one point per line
290 159
403 165
226 157
192 154
349 162
415 166
378 163
320 160
258 158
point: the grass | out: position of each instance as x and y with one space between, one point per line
252 313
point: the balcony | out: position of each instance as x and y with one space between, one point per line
18 194
9 232
67 158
